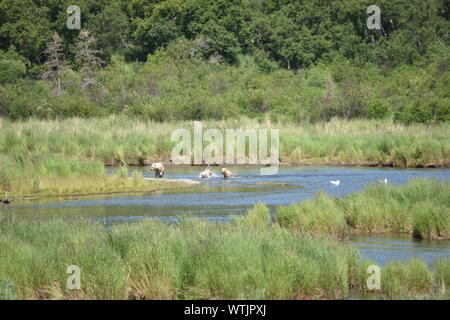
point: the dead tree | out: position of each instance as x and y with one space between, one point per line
88 58
56 62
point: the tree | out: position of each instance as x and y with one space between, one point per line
88 58
56 62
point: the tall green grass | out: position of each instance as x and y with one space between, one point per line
319 216
402 280
154 260
258 217
420 207
192 259
123 140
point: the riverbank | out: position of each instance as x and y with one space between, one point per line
85 185
35 151
194 259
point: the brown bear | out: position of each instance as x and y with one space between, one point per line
158 167
227 173
207 173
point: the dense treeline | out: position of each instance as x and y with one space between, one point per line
201 59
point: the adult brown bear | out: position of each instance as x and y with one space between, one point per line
207 173
158 167
227 173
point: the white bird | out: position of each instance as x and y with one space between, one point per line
385 181
336 183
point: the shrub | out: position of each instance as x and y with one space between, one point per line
11 70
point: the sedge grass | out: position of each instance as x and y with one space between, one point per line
155 260
420 207
193 259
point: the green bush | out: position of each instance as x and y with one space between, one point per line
377 110
11 70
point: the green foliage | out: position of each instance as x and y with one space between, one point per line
377 110
431 221
11 70
122 172
221 59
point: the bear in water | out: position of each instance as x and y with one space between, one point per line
207 173
158 167
227 173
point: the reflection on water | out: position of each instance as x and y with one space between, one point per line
218 200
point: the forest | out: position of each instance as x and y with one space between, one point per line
288 61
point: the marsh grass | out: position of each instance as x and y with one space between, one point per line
405 280
34 259
154 260
431 220
121 140
89 185
318 216
419 207
258 217
192 259
441 270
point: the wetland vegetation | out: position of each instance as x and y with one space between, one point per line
194 259
74 101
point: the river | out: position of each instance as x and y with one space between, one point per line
219 200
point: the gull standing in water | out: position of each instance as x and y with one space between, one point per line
336 183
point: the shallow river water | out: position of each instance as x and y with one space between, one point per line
219 200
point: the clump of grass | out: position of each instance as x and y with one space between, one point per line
441 269
377 209
88 185
319 216
419 207
122 172
258 217
208 261
406 280
431 221
363 274
138 178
